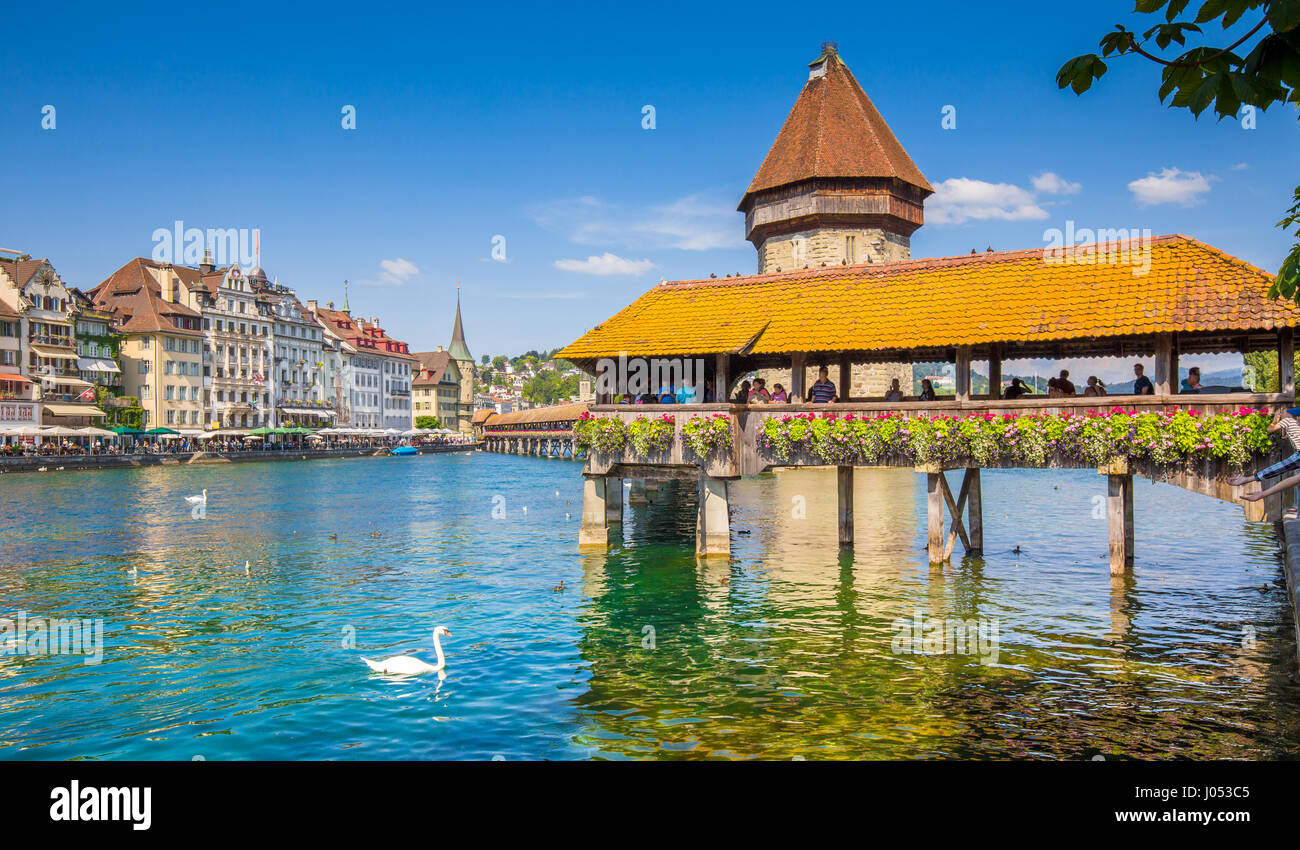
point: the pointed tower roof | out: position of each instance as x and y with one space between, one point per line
834 131
458 349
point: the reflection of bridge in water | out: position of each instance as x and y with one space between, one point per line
785 649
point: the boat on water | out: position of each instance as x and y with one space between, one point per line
404 450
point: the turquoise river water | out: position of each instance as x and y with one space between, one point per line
788 650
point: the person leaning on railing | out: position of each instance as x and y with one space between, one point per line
1285 421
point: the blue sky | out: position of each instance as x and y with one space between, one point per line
526 123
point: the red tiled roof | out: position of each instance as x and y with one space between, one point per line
433 364
834 130
134 297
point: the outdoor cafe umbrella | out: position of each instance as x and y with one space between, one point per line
92 431
158 432
261 432
126 431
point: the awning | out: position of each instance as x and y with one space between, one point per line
16 378
66 381
50 352
73 410
96 364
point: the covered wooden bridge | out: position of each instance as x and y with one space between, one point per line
971 314
539 431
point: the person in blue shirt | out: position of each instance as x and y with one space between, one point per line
1143 385
1192 383
823 390
667 396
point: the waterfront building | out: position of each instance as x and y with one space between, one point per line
337 354
98 354
379 368
47 346
436 388
161 353
465 367
299 391
237 324
19 396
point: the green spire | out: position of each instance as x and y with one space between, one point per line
458 349
345 297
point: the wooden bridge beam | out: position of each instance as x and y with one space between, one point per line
969 501
844 484
1119 514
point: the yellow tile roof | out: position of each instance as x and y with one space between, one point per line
1001 296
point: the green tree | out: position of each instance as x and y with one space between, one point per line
548 387
486 359
427 422
499 362
1258 69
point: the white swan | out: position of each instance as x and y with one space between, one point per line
409 665
198 500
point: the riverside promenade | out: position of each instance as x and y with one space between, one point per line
60 463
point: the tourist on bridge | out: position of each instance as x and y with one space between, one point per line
927 390
1017 389
1192 383
823 391
1064 384
1095 387
779 395
1143 385
1286 422
742 395
895 391
759 394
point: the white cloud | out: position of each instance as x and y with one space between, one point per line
1241 166
698 222
1171 186
961 199
395 272
1051 183
604 265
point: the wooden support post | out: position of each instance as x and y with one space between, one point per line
636 493
1164 379
722 378
963 373
995 374
934 514
613 500
712 523
844 484
1119 514
975 511
594 532
845 383
1286 362
798 368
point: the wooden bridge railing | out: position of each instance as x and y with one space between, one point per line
746 458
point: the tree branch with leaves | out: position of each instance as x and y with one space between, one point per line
1258 69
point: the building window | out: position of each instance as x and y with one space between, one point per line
848 249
